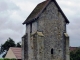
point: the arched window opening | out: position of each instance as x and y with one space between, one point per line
31 28
52 51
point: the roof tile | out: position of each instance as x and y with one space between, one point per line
38 10
16 51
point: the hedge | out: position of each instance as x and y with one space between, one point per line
7 59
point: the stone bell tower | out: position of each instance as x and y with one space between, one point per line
46 37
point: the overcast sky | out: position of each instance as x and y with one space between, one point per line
14 12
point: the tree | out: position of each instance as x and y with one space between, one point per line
4 47
18 45
75 55
9 43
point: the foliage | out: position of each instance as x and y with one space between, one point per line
7 59
75 55
1 59
18 45
4 54
9 43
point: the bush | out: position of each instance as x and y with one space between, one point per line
1 59
13 59
75 55
7 59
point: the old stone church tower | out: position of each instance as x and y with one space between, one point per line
46 37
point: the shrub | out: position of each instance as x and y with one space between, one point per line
7 59
1 59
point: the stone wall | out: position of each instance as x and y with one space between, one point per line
53 26
34 27
47 40
25 47
38 46
30 42
67 46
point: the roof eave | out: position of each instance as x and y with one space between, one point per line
36 16
28 22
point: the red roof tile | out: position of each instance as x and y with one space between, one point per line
73 48
16 51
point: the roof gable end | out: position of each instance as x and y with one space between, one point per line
39 9
17 52
10 54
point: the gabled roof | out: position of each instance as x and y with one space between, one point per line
16 51
73 48
39 9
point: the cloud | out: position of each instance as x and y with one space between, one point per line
71 10
14 12
7 5
10 21
70 7
3 6
74 32
12 17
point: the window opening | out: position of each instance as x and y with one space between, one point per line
31 28
52 51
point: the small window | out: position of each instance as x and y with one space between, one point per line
31 28
52 51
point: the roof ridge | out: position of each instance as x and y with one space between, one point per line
39 9
44 6
42 3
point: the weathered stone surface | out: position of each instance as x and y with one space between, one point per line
25 44
47 40
53 26
67 46
38 46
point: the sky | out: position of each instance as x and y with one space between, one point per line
14 12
